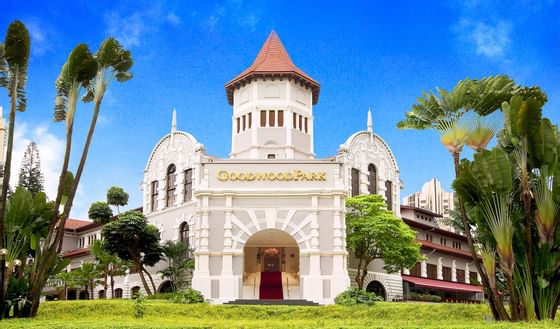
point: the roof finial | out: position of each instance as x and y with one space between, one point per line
369 121
174 122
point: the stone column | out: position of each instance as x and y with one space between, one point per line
313 283
406 271
467 276
439 269
229 289
201 274
340 279
423 268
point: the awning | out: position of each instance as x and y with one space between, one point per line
441 285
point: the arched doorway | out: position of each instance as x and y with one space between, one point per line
166 286
72 295
134 292
271 266
377 288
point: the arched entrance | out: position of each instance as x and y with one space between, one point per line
166 286
377 288
271 266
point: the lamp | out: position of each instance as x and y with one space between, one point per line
3 253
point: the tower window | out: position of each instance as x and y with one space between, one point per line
355 182
250 118
188 185
294 121
263 118
271 156
300 121
154 196
271 117
280 118
372 188
243 120
171 177
305 125
389 194
237 125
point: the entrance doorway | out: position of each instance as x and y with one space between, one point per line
271 266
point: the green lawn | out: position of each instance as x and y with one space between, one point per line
161 314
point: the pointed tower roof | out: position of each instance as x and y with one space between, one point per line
273 61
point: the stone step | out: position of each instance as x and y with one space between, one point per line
293 302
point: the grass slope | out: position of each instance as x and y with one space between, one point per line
161 314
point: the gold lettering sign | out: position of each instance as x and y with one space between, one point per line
295 175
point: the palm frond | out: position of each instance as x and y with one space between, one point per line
497 212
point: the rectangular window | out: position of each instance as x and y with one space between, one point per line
473 277
271 156
446 271
244 122
416 271
294 121
237 120
300 120
170 201
154 196
188 185
250 119
263 118
355 181
305 125
389 194
271 117
280 118
460 276
432 271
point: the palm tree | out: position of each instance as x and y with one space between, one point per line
178 263
14 57
444 112
82 71
67 280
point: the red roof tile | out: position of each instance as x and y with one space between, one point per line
273 60
73 224
76 253
444 249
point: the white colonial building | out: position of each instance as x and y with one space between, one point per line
269 221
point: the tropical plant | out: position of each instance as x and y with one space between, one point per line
178 263
100 212
116 196
188 296
132 239
93 73
356 296
372 232
30 175
14 57
109 265
445 113
67 280
87 276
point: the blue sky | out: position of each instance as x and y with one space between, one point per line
365 54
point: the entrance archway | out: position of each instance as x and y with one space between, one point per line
271 266
377 288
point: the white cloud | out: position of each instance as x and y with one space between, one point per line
40 44
131 29
235 12
51 150
491 41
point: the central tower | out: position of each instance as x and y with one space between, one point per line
272 107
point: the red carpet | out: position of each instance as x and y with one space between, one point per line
271 285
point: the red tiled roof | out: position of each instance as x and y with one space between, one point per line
76 253
442 285
424 211
73 224
428 227
444 249
273 60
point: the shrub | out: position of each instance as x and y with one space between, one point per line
189 296
355 296
425 297
139 308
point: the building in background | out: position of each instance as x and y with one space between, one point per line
435 199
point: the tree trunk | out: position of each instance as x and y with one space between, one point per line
65 291
112 286
150 277
8 162
493 294
513 302
144 282
357 278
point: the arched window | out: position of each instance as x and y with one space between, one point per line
171 177
134 292
184 236
118 293
377 288
355 181
101 294
389 194
372 188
